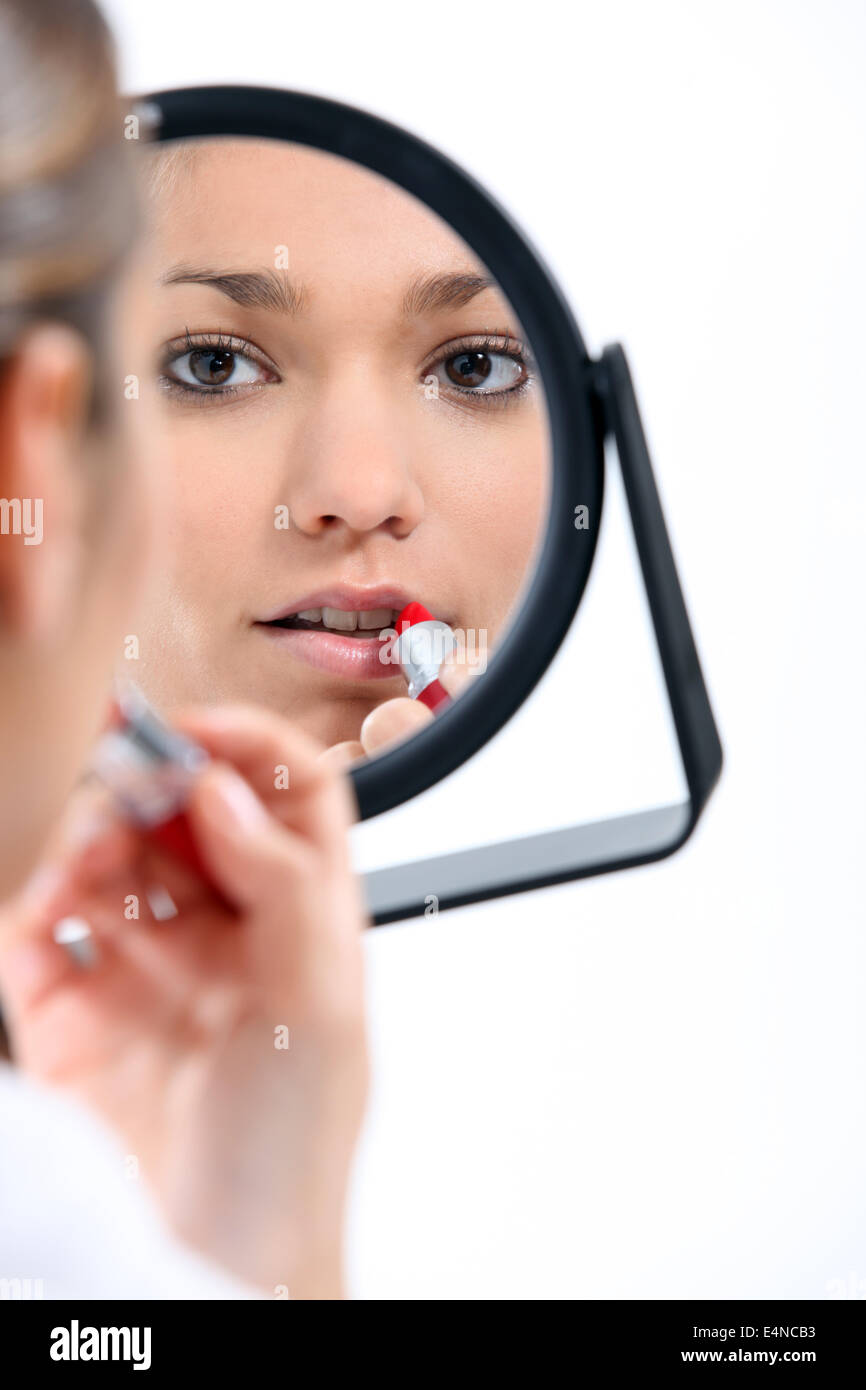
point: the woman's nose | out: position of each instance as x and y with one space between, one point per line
354 468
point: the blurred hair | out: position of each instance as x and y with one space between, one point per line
167 166
67 206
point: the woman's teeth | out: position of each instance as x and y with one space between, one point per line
342 620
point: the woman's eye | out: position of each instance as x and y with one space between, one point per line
215 368
483 372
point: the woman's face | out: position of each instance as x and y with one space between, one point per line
349 421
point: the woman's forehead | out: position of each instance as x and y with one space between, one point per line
237 195
320 224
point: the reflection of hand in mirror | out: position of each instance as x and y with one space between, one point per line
350 421
395 720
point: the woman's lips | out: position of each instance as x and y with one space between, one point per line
338 654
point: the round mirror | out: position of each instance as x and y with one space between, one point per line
359 369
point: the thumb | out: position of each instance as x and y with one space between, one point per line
393 721
250 854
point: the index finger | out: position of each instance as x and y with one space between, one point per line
276 758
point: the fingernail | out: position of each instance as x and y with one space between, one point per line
75 936
41 887
161 903
88 826
237 806
454 676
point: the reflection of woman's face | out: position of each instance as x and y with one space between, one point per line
350 422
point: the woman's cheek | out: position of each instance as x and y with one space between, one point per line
220 493
507 503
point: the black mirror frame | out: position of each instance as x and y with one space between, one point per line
587 401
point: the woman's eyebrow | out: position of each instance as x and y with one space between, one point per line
269 289
254 289
451 290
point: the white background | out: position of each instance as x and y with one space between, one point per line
649 1084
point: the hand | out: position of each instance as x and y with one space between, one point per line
172 1034
398 719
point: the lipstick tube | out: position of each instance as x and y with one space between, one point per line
421 645
149 769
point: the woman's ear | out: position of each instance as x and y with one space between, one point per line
44 403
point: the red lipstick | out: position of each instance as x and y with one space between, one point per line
421 645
